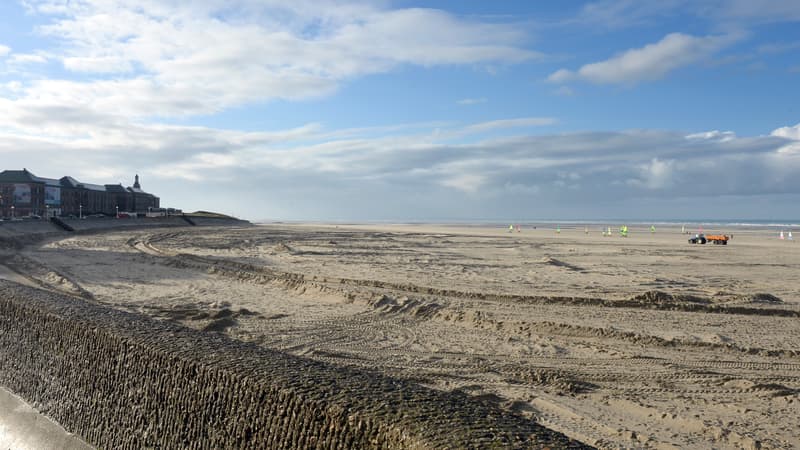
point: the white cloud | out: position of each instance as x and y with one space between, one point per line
650 62
4 50
523 122
471 101
721 136
561 75
788 132
466 182
172 59
656 174
27 58
12 86
791 133
180 59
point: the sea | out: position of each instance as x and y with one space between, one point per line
688 224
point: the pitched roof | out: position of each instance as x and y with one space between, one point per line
73 183
138 191
115 188
50 181
93 187
69 182
19 176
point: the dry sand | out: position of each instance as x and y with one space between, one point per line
638 342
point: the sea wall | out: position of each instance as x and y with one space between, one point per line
110 223
217 221
20 232
16 233
125 381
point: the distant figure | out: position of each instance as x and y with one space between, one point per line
789 237
652 228
683 229
511 228
609 232
518 228
558 229
781 235
586 230
623 231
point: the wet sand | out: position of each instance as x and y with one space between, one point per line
645 341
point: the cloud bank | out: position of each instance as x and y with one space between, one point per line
180 59
651 62
430 172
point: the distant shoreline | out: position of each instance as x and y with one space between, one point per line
566 224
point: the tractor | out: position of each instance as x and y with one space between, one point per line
718 239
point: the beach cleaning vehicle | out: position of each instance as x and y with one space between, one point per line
719 239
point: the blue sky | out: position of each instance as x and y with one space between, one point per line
405 110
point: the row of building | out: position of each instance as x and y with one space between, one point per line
23 194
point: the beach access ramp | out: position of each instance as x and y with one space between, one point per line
61 224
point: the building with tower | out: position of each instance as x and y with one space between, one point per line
23 194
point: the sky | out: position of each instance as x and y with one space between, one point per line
337 110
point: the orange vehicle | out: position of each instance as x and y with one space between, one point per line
720 239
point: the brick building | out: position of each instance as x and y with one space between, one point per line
23 194
142 201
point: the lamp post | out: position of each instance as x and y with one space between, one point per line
80 211
46 212
117 208
12 211
149 211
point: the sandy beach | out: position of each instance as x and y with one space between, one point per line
638 342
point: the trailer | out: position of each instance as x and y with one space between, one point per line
717 239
